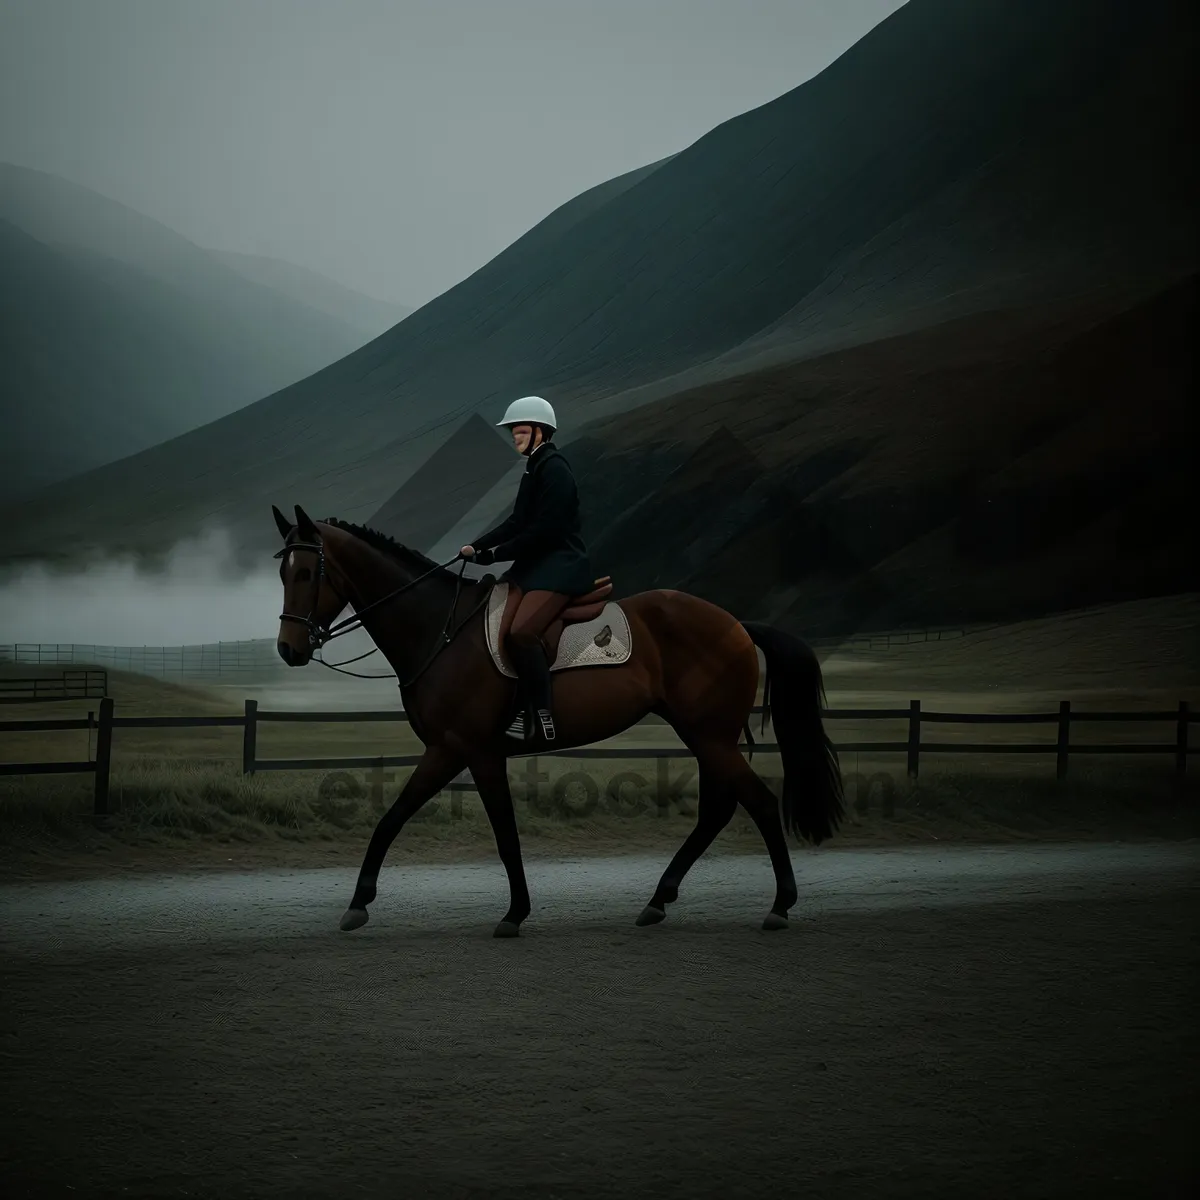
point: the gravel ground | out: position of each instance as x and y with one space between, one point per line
1012 1021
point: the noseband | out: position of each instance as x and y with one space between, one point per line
318 635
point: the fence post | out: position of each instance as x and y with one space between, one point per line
1181 740
103 756
914 736
1064 737
250 738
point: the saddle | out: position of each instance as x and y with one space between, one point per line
598 627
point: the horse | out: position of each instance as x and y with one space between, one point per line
686 660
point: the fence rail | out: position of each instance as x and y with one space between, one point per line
247 656
67 685
912 746
195 661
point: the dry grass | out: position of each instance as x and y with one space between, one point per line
1138 654
184 814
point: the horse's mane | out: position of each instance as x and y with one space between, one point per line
381 541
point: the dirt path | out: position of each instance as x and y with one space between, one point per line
937 1022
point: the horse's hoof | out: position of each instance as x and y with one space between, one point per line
354 918
507 929
775 921
650 916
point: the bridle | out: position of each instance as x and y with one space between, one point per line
319 635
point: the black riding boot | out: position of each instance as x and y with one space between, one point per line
533 694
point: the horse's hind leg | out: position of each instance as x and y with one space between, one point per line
715 806
760 802
726 780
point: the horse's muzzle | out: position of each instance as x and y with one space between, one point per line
290 655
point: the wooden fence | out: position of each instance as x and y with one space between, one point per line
67 685
255 656
209 660
912 746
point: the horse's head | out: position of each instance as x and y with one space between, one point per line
310 600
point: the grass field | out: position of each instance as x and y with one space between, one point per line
180 792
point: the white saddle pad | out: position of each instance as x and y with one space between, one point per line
604 641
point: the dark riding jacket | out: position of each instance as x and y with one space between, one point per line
542 538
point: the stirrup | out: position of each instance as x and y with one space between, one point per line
518 727
521 729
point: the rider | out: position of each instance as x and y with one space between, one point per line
550 562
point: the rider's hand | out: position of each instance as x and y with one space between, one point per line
466 552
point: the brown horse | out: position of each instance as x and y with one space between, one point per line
690 662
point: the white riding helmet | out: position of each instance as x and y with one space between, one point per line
529 410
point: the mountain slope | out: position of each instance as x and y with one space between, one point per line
1095 191
989 469
921 176
473 459
370 317
119 333
46 306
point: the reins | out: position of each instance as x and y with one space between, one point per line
319 635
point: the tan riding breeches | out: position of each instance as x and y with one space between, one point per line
535 613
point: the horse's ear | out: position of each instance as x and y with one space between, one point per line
308 530
285 526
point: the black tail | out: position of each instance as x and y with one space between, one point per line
812 778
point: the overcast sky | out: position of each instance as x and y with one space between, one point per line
394 145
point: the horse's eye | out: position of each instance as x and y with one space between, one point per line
303 575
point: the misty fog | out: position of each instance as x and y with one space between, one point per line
198 596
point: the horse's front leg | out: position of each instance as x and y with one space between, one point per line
438 766
491 778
